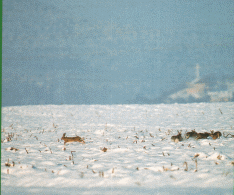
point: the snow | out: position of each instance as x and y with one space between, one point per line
140 156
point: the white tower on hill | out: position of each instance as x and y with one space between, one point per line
197 75
194 89
197 71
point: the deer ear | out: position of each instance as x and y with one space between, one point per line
64 134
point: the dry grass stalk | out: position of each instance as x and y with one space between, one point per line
186 166
55 126
104 149
171 176
101 174
9 164
220 111
72 153
228 135
134 141
12 148
196 165
219 157
166 169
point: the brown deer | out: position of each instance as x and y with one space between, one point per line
72 139
202 135
216 134
177 138
192 133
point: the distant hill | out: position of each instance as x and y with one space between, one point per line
211 88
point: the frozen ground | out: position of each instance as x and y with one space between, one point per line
140 156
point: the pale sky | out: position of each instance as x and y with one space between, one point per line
107 51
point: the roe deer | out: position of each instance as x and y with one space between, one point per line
216 134
177 138
192 133
202 135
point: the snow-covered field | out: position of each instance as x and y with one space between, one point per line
140 156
